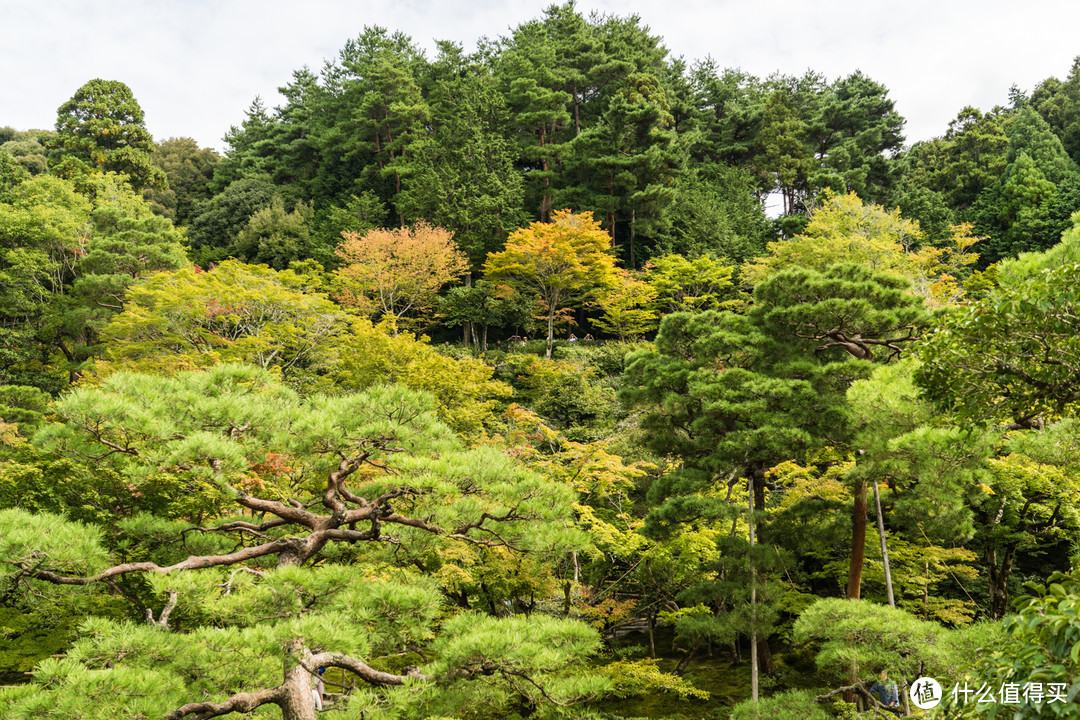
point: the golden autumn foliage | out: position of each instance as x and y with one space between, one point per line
561 262
397 274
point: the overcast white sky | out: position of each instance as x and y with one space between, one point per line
196 65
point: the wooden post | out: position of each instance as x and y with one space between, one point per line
884 546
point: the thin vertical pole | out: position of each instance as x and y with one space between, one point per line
753 603
884 546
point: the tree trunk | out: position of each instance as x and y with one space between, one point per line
853 677
858 541
686 659
296 701
884 546
652 634
577 109
999 580
545 198
753 602
764 655
551 331
470 331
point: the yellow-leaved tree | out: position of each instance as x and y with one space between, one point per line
843 230
846 230
562 262
397 274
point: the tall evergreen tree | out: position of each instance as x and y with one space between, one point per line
102 128
462 175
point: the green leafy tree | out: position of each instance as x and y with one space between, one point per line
527 76
70 260
124 249
1008 357
1036 647
384 108
11 172
966 160
1059 104
715 211
1030 507
234 312
359 214
44 228
102 128
1024 186
783 156
217 222
730 396
725 111
482 305
627 308
857 639
1030 134
854 134
278 238
690 285
1031 204
462 175
27 149
259 316
189 170
294 135
368 467
933 474
1014 379
865 314
623 166
843 229
250 152
781 368
466 396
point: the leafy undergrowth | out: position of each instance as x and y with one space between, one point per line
725 681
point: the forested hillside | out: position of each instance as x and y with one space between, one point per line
483 385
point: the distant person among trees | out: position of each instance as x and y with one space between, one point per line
885 689
319 690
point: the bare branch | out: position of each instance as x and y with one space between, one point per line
239 526
365 671
240 702
193 562
163 619
226 587
508 674
288 513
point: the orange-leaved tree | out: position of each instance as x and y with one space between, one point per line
564 261
398 273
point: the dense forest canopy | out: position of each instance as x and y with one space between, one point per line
481 385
